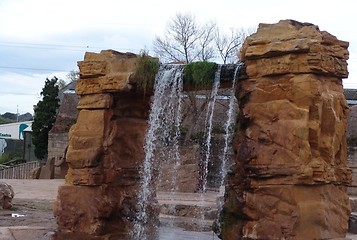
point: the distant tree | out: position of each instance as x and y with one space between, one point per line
45 116
185 41
73 75
6 120
61 83
228 45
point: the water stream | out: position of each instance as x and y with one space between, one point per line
208 138
228 131
162 145
209 127
163 131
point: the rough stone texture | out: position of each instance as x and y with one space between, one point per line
48 170
106 72
58 136
290 175
6 195
105 151
35 173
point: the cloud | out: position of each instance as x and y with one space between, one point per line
39 36
20 91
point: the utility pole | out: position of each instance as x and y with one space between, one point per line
17 114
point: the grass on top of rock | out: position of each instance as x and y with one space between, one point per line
199 74
146 70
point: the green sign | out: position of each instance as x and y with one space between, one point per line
5 135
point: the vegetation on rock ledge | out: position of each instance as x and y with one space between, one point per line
146 71
200 74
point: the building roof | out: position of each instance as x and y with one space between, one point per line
350 94
69 88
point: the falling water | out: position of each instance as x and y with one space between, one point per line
165 119
227 142
228 131
208 137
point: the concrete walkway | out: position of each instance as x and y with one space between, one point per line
41 189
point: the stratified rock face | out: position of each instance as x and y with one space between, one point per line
290 176
105 149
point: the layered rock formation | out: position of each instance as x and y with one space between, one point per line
290 176
105 150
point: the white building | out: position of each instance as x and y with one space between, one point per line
13 131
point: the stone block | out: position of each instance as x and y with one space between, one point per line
295 212
48 170
124 146
96 101
6 195
91 209
293 47
87 176
106 72
84 158
90 69
105 84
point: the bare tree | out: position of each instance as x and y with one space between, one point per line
61 83
73 75
206 48
228 45
185 41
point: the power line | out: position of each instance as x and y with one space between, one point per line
34 69
62 46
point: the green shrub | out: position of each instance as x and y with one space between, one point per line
200 74
6 121
7 157
146 71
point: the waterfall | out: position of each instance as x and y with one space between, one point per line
208 137
228 135
208 128
162 135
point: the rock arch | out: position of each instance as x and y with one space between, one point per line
290 170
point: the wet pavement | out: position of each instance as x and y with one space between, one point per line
46 190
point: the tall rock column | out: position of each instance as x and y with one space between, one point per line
290 176
105 150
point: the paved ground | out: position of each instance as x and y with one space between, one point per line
41 189
34 200
31 217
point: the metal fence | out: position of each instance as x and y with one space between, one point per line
20 171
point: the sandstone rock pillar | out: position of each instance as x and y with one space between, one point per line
289 178
105 150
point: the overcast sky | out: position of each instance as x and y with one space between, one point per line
40 39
